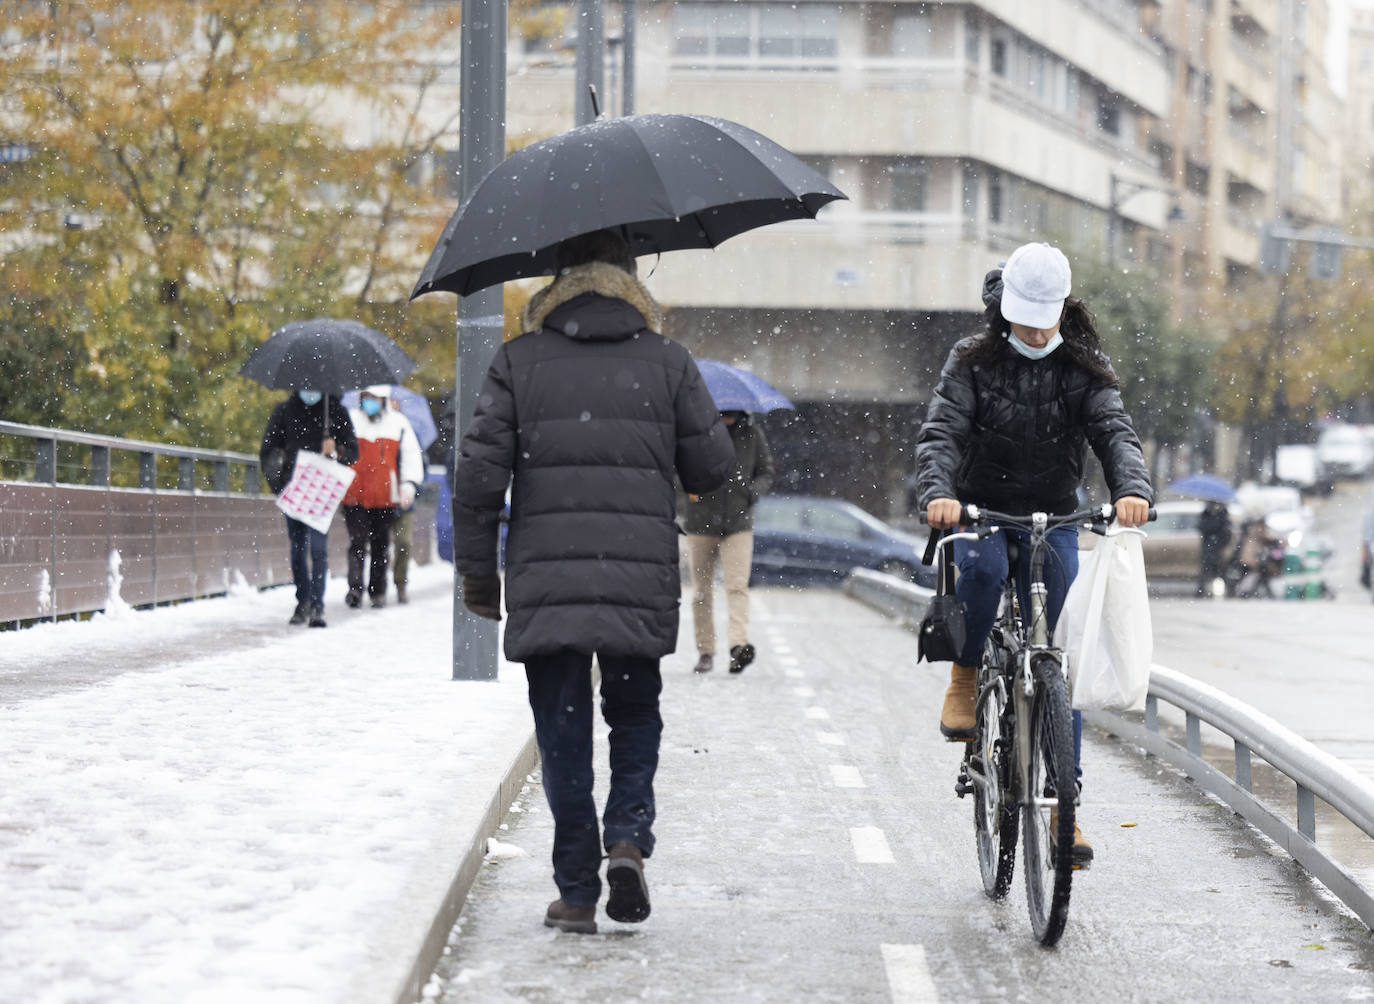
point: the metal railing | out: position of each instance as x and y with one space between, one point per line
57 456
1317 775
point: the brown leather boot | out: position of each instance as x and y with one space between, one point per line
957 722
1082 850
573 919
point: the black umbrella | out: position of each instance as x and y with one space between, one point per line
667 182
328 355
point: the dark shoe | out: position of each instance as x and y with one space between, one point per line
569 918
704 663
354 599
629 899
379 601
301 615
957 721
741 656
401 596
317 617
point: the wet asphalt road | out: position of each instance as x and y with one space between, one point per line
779 792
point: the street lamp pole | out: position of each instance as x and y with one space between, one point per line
1121 190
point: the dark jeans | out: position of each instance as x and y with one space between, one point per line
983 569
561 699
369 530
309 561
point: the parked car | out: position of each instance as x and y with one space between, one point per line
1173 545
1345 451
800 539
1297 465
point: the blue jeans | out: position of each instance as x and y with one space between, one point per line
561 699
309 561
982 570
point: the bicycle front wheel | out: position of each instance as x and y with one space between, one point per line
1048 800
994 815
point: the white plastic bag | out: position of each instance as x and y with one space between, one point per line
1104 628
316 488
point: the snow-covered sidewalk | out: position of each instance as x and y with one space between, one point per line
201 804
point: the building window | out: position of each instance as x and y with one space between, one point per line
995 197
912 36
999 56
973 37
970 207
1109 113
767 32
907 180
1196 177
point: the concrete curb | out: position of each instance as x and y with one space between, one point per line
432 947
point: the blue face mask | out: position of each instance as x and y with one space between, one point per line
310 397
371 407
1034 353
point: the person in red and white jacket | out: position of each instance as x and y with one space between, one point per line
388 471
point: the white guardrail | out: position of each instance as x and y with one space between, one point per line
1316 774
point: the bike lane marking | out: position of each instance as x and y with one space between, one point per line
908 974
870 846
846 776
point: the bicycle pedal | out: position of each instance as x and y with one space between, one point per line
962 788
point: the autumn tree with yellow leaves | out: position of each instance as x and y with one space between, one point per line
185 177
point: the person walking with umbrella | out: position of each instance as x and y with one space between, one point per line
307 420
316 360
720 524
586 417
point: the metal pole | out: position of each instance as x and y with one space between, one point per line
591 55
627 74
1111 221
482 145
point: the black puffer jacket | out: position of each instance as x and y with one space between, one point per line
295 426
1010 436
591 413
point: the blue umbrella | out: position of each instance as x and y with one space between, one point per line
736 389
413 406
1204 486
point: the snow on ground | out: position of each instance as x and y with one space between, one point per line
201 804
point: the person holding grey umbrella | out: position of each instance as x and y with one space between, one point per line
307 420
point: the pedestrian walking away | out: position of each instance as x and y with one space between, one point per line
720 531
587 416
300 423
1006 429
388 472
1214 525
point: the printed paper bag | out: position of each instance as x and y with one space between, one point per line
317 487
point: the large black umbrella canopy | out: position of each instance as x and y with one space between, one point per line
667 182
326 354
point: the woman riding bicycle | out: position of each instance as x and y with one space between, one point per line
1005 430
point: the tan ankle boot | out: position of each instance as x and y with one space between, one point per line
956 717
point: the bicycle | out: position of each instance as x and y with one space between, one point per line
1023 742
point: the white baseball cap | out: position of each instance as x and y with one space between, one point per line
1035 282
382 390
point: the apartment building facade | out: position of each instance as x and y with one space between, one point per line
1359 110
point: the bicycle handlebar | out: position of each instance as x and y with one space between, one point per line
1099 515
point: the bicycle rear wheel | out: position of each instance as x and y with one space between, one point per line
994 819
1049 853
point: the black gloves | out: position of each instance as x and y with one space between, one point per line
482 595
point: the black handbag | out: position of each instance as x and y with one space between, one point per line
942 633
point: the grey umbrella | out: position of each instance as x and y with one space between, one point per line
326 354
667 182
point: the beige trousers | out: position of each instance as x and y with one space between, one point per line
735 553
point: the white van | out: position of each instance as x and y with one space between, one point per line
1345 451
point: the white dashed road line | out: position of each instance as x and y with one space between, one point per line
817 713
908 975
846 776
870 846
830 739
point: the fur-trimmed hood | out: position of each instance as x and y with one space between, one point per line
595 277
